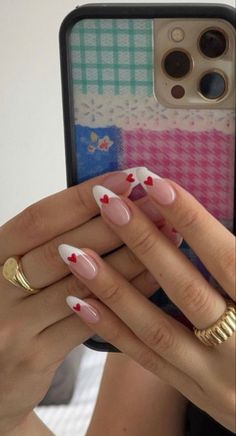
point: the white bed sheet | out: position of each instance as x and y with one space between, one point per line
74 419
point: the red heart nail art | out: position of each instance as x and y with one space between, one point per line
130 178
148 181
104 199
77 307
72 258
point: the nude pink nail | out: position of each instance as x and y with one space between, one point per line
171 234
112 206
80 262
160 189
122 182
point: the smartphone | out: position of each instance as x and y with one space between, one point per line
153 85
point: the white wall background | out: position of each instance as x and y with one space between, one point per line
32 163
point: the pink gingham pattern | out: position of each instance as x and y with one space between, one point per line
202 162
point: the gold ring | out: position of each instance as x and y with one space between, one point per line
222 330
13 272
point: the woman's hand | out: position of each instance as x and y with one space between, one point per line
142 331
37 331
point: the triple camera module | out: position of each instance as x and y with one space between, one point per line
212 44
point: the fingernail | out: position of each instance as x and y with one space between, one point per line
171 234
83 309
158 188
122 182
112 205
80 262
177 239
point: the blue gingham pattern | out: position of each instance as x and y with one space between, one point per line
113 56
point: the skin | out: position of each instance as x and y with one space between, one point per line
32 326
156 341
134 402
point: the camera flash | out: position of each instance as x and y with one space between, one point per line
177 34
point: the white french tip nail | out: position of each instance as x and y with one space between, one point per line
142 174
67 251
83 309
102 195
72 301
131 176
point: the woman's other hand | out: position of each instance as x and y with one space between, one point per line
37 331
161 344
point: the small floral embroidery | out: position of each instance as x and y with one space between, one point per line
146 112
94 137
102 144
105 143
91 148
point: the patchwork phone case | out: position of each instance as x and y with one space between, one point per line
115 122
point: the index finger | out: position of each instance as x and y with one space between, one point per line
213 243
58 213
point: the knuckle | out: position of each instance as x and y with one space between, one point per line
111 294
148 360
144 243
187 219
50 253
113 335
32 222
195 298
83 201
160 336
132 260
74 287
145 358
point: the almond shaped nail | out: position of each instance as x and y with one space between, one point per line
122 182
160 189
146 177
69 253
112 206
80 263
84 310
103 195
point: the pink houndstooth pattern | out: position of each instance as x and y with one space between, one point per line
202 162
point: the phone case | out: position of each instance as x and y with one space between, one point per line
112 120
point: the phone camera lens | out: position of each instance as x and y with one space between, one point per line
177 64
212 43
212 86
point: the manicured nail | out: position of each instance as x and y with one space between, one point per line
157 187
80 262
112 205
83 309
177 238
171 233
123 182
